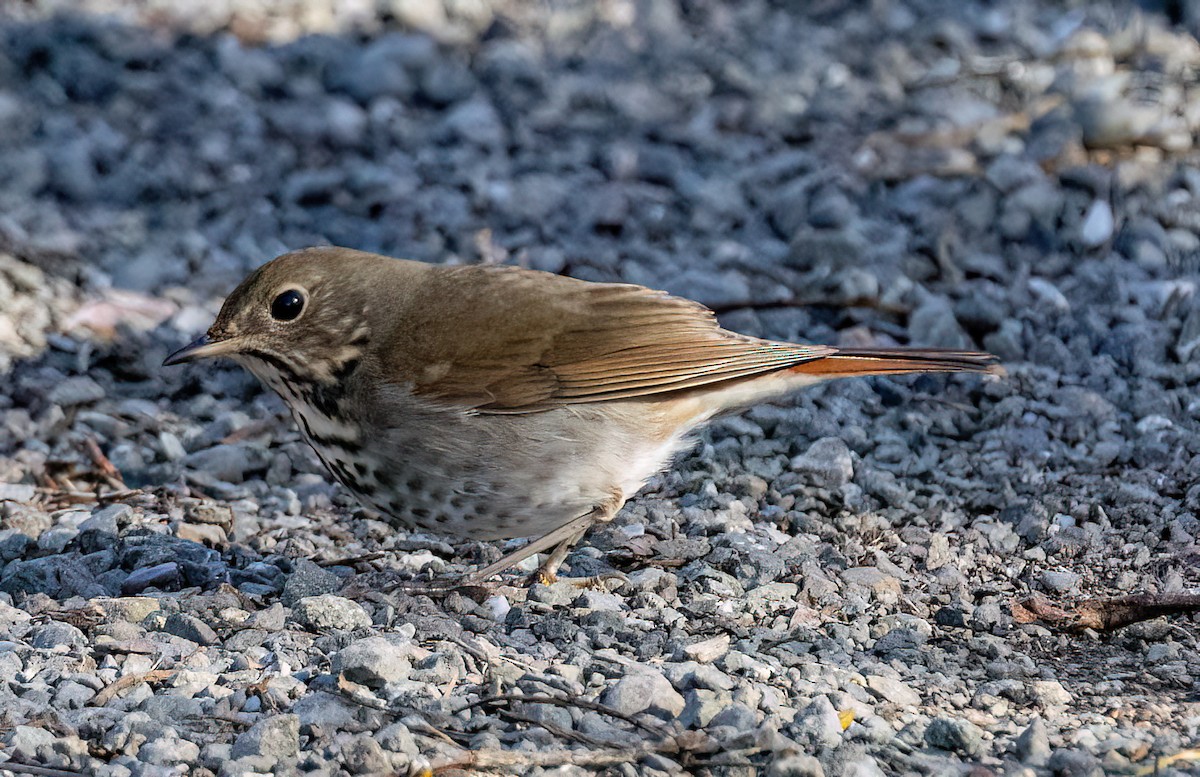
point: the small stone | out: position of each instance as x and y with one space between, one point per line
950 616
709 650
363 755
828 461
77 390
893 690
736 716
644 691
1074 763
325 710
884 586
330 613
17 492
271 618
1059 581
27 739
862 765
599 601
71 695
1033 745
165 577
374 662
701 707
497 607
202 534
1097 226
559 594
228 462
57 538
956 735
52 634
1051 693
107 520
308 579
797 765
819 724
277 736
398 739
190 628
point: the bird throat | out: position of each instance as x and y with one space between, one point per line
321 412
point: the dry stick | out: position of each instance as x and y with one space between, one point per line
351 561
347 691
76 495
494 759
44 771
128 681
102 463
1104 614
578 703
559 731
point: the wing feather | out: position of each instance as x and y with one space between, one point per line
505 340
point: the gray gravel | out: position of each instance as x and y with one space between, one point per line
825 586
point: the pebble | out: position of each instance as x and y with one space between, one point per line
797 765
709 650
1097 226
275 737
956 735
16 492
78 390
1033 745
54 634
644 691
1060 581
828 461
374 662
308 579
190 628
330 613
893 690
1051 693
819 724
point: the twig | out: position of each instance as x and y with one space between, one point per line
1103 614
352 560
45 771
582 704
557 730
499 759
102 463
58 494
357 694
128 681
1163 762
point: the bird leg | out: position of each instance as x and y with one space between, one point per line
547 573
561 540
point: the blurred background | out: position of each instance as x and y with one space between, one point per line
1014 176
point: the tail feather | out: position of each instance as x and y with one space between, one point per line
848 362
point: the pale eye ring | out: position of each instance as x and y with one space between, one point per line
288 305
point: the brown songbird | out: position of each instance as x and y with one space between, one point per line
492 402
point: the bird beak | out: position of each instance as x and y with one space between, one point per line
203 347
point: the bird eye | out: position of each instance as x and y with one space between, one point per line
287 305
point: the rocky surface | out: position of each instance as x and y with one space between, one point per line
827 585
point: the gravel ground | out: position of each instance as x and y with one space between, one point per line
829 585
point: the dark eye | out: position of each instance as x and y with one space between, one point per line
287 305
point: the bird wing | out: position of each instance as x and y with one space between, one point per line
506 340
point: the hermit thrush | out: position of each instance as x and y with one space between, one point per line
491 402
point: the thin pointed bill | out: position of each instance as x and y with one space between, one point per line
203 347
